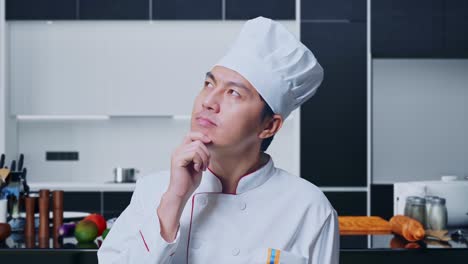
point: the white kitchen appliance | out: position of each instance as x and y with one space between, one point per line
454 190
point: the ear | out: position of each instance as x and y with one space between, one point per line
271 126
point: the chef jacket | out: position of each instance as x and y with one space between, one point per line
274 217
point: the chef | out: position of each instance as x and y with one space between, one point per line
223 200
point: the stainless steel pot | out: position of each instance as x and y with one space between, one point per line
125 175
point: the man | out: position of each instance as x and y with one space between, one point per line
223 200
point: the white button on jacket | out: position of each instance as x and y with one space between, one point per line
274 217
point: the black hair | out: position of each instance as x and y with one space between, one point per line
267 112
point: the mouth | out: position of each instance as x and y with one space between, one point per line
205 122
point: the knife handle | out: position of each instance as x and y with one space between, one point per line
2 160
13 166
20 162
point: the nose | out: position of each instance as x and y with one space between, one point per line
211 101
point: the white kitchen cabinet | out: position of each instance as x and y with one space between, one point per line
108 68
164 68
54 70
165 65
115 68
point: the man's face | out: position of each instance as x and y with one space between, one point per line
227 110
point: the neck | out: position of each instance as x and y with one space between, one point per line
229 169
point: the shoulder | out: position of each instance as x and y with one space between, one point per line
302 191
154 179
150 187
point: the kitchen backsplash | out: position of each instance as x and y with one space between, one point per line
420 119
142 142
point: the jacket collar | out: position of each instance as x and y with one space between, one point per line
211 183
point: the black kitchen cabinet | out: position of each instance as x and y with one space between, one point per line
413 8
408 29
348 203
353 10
187 9
456 8
407 37
382 200
334 120
456 37
109 204
114 9
41 10
248 9
456 29
82 202
114 203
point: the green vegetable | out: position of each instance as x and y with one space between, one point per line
86 231
104 234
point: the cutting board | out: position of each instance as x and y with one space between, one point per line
363 225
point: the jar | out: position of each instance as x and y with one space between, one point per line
428 209
408 204
437 218
416 208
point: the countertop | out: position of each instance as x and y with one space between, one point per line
387 242
82 186
378 251
395 242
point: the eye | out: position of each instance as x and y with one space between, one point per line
208 84
234 92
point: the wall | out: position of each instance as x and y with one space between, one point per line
2 77
420 119
142 142
8 128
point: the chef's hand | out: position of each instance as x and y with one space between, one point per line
188 162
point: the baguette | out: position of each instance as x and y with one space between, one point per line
409 228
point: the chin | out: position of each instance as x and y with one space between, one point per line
204 130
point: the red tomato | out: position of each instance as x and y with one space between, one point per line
99 220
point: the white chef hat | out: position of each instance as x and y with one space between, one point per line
282 69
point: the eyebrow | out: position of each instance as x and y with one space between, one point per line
230 83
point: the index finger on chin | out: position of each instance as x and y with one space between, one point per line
196 135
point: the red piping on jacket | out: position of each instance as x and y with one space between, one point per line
144 241
237 183
190 228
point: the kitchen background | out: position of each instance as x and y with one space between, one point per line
114 82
